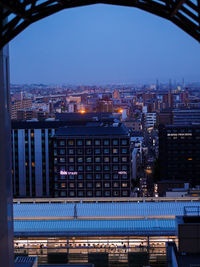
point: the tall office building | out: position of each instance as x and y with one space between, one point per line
92 161
186 116
179 153
31 164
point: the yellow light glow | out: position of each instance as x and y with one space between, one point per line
120 110
82 111
189 158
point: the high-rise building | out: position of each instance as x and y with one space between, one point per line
92 161
186 116
179 153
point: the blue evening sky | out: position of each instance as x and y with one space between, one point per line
102 44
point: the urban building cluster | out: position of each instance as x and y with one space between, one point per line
114 141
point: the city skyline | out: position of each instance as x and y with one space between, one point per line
111 50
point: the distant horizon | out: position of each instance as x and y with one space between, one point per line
178 83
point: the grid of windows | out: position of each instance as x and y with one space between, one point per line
91 167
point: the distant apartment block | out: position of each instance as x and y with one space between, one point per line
20 105
150 120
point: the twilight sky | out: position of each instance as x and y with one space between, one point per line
102 44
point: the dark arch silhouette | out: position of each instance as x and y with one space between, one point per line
16 15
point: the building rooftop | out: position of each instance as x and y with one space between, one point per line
98 219
77 227
92 131
122 210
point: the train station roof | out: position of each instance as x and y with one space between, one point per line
132 210
97 219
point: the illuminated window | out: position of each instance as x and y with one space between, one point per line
97 151
106 151
88 168
115 184
98 185
97 176
124 159
106 159
80 185
115 193
115 176
107 193
97 159
106 168
80 176
124 150
63 185
89 185
71 185
62 151
80 151
106 185
71 151
107 176
115 167
124 176
71 193
25 164
62 160
124 142
124 184
124 193
88 159
89 176
115 159
124 167
71 159
80 168
106 142
32 134
80 159
98 168
89 193
71 142
71 168
88 142
97 142
33 164
80 193
62 143
62 193
79 142
115 150
98 193
115 142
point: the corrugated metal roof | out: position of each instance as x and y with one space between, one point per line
78 226
95 210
